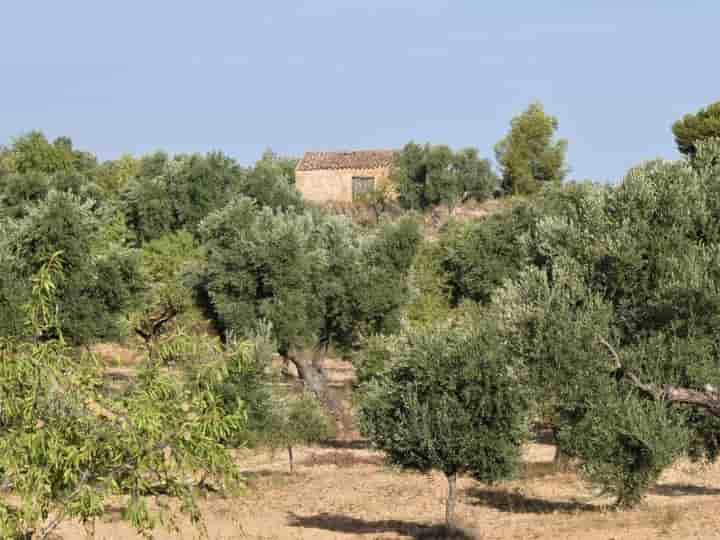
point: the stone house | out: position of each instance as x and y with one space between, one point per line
324 177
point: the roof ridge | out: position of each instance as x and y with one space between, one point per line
346 159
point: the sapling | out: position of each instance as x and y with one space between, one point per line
296 420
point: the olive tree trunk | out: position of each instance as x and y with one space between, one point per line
561 461
311 372
450 505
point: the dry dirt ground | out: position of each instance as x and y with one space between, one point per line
344 491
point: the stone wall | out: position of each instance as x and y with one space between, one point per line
334 185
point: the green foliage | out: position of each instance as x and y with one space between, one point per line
285 166
553 326
171 194
627 442
635 266
102 279
262 266
381 290
198 185
528 156
693 128
296 420
447 402
19 192
68 447
165 258
169 265
477 256
177 193
112 176
148 209
272 183
429 300
71 443
373 357
239 379
312 277
33 153
13 288
425 176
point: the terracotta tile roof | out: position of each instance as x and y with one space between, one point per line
360 159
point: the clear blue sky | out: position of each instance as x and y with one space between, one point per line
239 76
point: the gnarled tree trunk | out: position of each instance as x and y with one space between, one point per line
310 371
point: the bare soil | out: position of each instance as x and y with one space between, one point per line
345 491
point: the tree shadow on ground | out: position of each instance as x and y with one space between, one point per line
682 490
538 469
342 459
354 444
265 473
350 525
266 477
517 503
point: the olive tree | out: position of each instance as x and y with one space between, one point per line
171 194
615 321
102 281
477 256
33 152
314 278
446 401
426 176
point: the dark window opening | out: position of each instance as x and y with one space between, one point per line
362 185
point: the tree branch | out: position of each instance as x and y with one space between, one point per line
150 328
708 399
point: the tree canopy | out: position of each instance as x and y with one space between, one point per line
428 175
528 155
693 128
621 300
101 279
446 402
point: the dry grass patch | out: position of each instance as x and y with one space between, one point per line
342 459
